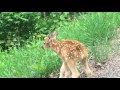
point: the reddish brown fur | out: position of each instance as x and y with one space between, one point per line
70 51
72 48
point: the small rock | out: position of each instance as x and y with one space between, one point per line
98 65
102 68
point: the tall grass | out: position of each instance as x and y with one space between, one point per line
26 62
95 30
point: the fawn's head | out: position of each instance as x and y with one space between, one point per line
49 39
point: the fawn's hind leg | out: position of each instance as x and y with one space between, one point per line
87 69
73 68
64 71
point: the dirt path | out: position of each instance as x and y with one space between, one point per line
110 69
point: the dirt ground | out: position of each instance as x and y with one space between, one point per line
109 69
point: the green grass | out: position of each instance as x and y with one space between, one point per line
28 62
95 30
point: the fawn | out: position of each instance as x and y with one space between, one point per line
70 51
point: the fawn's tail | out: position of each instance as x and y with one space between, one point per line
84 50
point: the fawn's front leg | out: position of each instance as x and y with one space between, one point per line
63 70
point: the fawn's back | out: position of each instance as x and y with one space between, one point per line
72 49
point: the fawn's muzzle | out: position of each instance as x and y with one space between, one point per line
42 47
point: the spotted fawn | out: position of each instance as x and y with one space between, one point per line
70 51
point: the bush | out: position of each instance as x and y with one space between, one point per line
17 27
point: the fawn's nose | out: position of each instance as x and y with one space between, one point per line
42 47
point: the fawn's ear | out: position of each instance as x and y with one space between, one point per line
55 34
49 36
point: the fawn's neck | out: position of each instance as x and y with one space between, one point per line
55 46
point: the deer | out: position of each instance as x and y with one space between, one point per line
71 52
